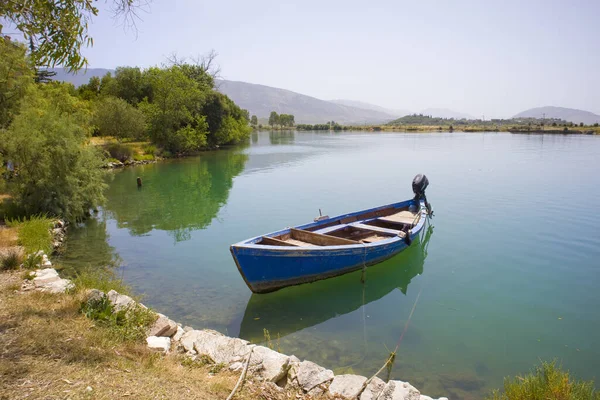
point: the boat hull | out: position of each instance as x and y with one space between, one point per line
269 268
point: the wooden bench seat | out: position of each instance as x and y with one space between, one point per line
403 217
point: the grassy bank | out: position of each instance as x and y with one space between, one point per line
59 345
51 349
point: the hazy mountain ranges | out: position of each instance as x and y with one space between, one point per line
260 100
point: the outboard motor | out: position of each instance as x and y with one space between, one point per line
419 184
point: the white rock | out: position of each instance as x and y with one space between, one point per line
398 390
310 375
220 348
373 389
163 326
347 386
43 276
177 336
159 343
188 339
120 301
269 364
59 286
45 261
47 280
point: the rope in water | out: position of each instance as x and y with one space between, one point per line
392 357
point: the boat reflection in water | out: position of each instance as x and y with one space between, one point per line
298 307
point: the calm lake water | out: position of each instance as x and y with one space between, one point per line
507 275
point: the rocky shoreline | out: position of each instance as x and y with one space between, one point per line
128 163
258 363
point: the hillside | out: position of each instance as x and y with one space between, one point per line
260 100
568 114
445 113
368 106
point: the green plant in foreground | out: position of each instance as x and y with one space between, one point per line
34 233
32 261
10 261
124 325
546 382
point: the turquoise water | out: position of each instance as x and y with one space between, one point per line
507 275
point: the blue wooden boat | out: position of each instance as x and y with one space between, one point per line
330 247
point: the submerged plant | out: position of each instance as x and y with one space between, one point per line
546 381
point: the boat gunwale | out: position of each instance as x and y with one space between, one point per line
250 244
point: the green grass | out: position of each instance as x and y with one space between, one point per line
125 325
34 233
546 382
101 278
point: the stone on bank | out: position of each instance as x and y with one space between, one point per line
162 344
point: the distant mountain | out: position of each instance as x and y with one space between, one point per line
445 113
368 106
81 77
568 114
260 100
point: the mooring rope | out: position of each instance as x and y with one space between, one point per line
390 360
242 376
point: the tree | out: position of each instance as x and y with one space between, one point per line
286 120
127 84
202 69
117 118
58 173
226 121
254 121
16 75
173 111
90 90
246 115
57 29
273 119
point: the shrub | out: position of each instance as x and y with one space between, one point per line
546 381
150 149
11 260
119 151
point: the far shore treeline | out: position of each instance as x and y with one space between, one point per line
48 163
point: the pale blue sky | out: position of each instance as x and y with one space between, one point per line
481 57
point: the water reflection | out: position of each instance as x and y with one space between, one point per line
282 137
293 309
177 197
88 246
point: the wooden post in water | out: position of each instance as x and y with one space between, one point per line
139 182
